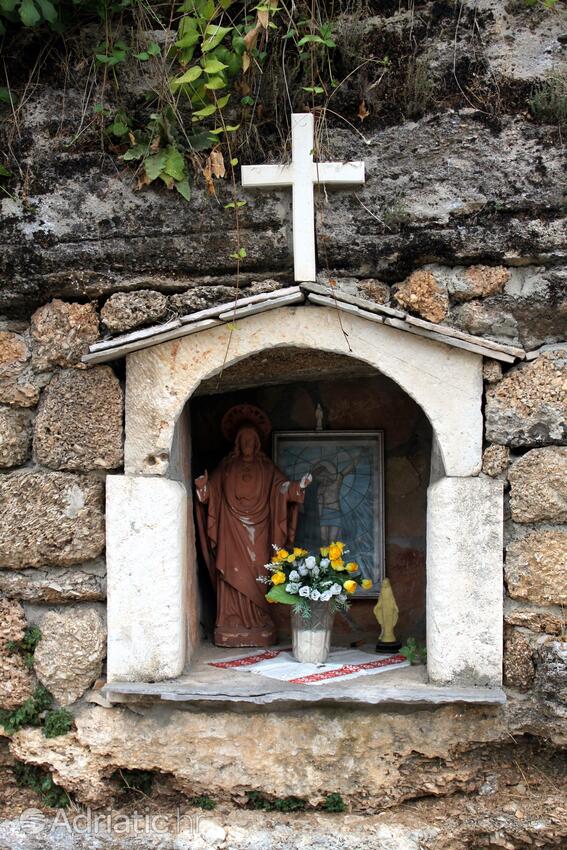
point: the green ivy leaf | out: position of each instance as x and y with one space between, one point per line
214 34
204 112
135 152
29 14
154 165
201 141
48 10
215 83
4 172
183 188
222 101
175 163
188 77
213 66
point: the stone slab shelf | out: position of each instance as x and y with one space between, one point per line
220 688
275 694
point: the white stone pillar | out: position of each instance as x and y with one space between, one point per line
146 552
465 581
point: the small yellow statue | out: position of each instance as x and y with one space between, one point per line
386 612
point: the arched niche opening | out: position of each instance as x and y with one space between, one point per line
289 384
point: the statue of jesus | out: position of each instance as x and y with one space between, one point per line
246 506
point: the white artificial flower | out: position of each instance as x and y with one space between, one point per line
304 591
315 595
315 572
326 595
294 575
324 563
292 587
303 571
310 562
336 589
342 597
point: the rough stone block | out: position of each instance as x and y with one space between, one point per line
539 486
125 311
477 282
495 460
15 436
61 334
423 294
56 585
545 622
528 407
536 567
18 384
79 422
374 290
146 574
69 656
50 518
16 680
464 581
519 668
551 676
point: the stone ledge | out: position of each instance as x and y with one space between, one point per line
278 695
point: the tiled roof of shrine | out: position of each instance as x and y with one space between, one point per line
306 294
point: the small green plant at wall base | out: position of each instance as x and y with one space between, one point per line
256 800
40 781
57 722
30 713
334 803
202 802
27 645
414 652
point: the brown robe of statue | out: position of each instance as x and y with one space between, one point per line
250 505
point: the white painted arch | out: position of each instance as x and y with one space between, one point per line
446 382
151 562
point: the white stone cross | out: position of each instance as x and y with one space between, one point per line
302 174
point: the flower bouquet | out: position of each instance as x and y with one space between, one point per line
316 586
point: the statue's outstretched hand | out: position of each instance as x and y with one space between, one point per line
306 481
201 483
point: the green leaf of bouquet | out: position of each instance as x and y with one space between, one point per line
280 594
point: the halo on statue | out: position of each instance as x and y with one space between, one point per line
245 414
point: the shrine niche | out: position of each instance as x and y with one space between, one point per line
154 633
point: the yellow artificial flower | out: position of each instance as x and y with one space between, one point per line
281 554
350 586
290 559
278 578
338 564
352 567
324 550
336 550
300 553
366 583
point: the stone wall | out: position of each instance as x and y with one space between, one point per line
461 222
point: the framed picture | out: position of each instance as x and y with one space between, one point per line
345 501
